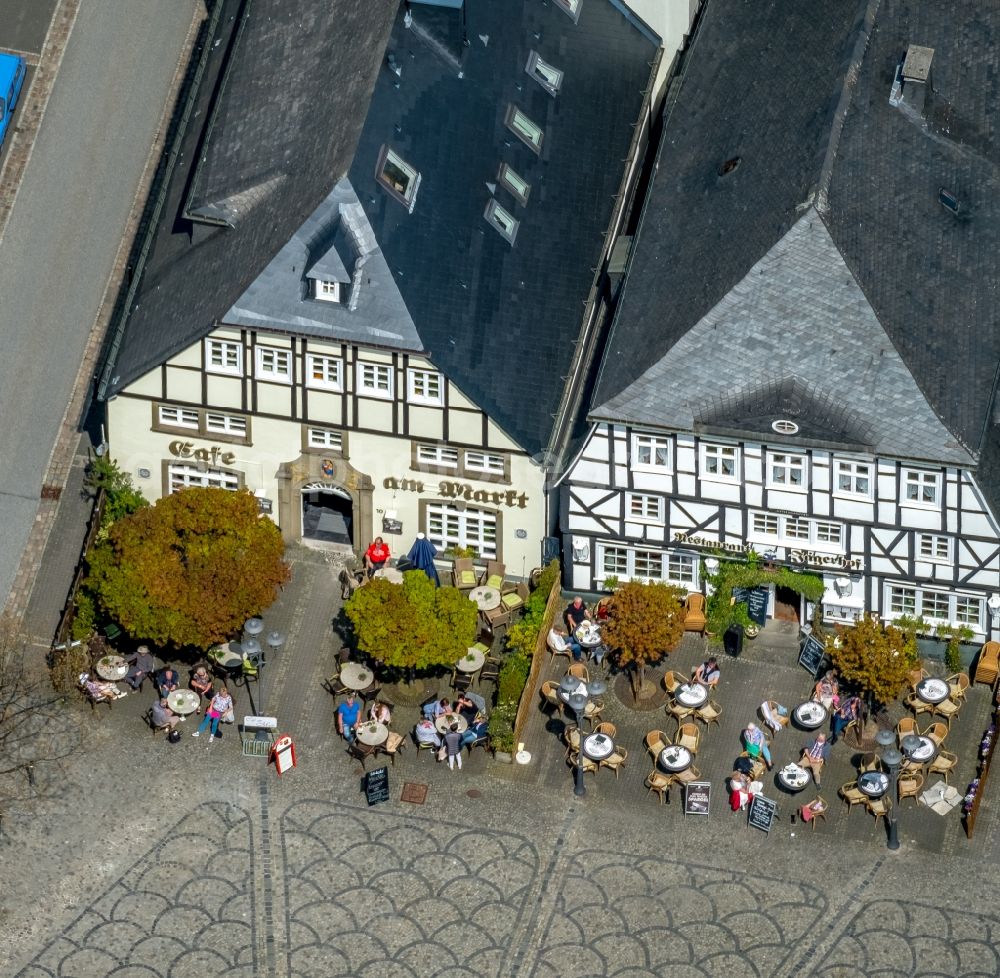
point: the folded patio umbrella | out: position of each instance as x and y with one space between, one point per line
422 555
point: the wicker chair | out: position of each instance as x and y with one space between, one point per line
879 807
688 735
909 785
694 612
463 574
592 711
616 761
869 762
853 795
550 694
757 767
553 652
988 665
686 777
656 741
393 746
491 668
947 709
958 684
607 728
771 713
514 601
494 574
589 766
817 810
916 677
915 703
660 783
906 727
333 685
709 713
671 680
944 763
680 712
937 732
579 670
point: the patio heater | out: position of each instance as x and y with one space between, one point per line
886 739
576 695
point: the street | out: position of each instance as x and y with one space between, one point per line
59 246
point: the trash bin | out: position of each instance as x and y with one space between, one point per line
732 640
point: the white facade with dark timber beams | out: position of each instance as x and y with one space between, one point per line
885 535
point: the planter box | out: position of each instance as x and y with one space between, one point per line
503 757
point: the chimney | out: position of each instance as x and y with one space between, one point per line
913 78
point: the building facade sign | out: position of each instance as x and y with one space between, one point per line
805 557
461 490
215 455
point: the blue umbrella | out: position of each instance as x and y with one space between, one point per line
422 555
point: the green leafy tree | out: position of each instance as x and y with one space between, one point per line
189 570
875 657
413 626
646 621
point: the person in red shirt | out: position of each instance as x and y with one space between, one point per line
376 555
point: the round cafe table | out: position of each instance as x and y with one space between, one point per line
371 733
356 676
444 722
472 661
873 783
925 753
675 758
598 746
793 778
486 598
810 715
390 574
588 635
111 668
692 695
933 691
183 701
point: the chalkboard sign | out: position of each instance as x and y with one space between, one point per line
755 599
377 785
812 655
762 812
696 797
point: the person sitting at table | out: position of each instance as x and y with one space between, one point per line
708 673
603 610
438 708
380 713
848 711
478 727
576 614
348 717
162 715
98 690
222 703
426 733
739 791
773 717
453 747
376 555
466 709
142 666
815 755
201 683
827 691
559 641
815 807
756 743
167 680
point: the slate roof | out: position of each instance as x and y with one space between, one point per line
500 320
274 125
800 94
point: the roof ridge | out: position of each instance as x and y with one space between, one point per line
850 81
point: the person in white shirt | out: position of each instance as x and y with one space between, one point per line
560 641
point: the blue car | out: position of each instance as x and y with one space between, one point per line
11 80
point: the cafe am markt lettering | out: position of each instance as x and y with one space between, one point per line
793 556
461 490
216 454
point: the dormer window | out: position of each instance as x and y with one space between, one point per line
328 291
398 177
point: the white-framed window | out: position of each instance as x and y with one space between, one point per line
796 530
328 291
274 364
921 488
437 455
650 452
643 508
548 76
514 182
398 177
520 125
325 438
766 524
223 356
485 462
654 565
181 476
719 462
786 471
932 546
225 424
326 373
853 478
502 220
425 386
176 417
375 380
828 532
446 526
935 605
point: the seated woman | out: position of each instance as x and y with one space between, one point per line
603 610
807 812
426 733
201 683
848 711
739 791
708 673
98 690
756 743
380 713
827 691
775 716
477 728
437 709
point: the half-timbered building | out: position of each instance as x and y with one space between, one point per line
379 263
804 363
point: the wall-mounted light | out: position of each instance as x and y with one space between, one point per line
712 565
994 605
843 586
581 552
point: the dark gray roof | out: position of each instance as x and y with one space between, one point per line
799 93
286 90
500 320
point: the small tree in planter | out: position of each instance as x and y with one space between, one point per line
876 658
645 623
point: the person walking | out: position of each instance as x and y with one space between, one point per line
453 747
221 704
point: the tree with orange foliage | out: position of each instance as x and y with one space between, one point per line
189 570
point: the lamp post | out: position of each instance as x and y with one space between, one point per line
576 694
887 741
254 652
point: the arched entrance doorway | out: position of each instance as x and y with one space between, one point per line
327 514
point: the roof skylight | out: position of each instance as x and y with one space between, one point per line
527 131
398 177
549 77
515 183
571 7
502 220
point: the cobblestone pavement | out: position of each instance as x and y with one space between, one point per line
168 861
